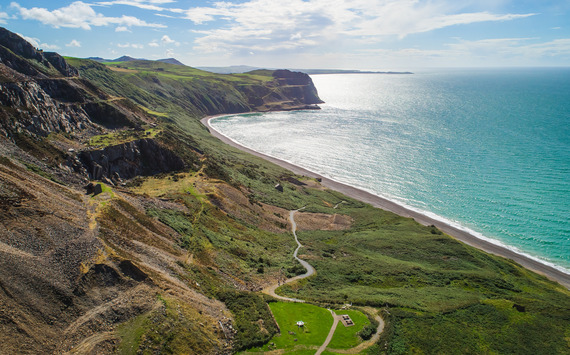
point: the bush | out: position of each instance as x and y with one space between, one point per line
253 320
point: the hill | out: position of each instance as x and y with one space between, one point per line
126 58
171 61
128 228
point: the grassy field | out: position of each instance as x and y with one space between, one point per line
347 337
318 322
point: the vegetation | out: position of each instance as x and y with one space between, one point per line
318 322
217 232
348 337
253 320
428 280
430 283
120 137
34 168
173 328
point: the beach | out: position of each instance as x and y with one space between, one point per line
377 201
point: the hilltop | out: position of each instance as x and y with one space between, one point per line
128 228
241 69
127 58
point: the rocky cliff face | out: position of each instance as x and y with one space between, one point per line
125 161
41 94
307 93
287 91
34 110
21 56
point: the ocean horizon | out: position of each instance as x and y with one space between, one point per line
484 150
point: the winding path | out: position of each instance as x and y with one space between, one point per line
270 290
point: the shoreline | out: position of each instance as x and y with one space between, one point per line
548 271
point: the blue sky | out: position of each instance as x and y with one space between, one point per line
350 34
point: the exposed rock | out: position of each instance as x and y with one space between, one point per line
37 112
60 64
140 157
308 91
89 188
18 46
97 189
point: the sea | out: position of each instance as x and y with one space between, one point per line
486 150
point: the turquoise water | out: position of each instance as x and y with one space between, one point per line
488 150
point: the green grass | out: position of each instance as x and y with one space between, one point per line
318 322
154 113
252 318
347 337
131 333
431 284
121 137
173 328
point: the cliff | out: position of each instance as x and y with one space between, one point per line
168 251
200 92
128 160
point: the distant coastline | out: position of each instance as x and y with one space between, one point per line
530 263
341 71
238 69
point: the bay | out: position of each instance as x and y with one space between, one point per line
484 149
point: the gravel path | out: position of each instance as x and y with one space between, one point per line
270 290
331 333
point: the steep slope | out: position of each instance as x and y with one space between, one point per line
167 247
96 269
204 93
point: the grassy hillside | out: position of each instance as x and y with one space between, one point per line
427 283
174 262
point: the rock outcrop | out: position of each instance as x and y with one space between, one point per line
14 51
140 157
34 111
287 91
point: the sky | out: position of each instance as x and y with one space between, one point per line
342 34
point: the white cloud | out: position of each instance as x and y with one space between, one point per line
268 25
527 48
166 40
141 4
78 15
485 52
74 43
122 29
405 17
130 45
37 43
3 17
50 47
